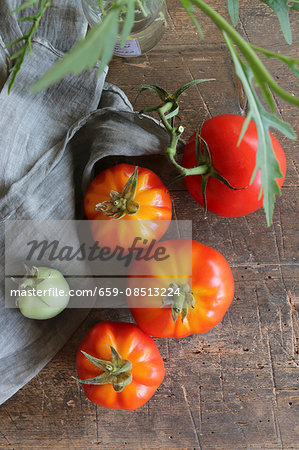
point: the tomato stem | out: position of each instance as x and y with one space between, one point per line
116 372
171 149
181 300
121 203
167 111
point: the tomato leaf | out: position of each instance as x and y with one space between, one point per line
281 9
162 94
190 10
292 63
98 44
129 21
233 9
20 54
265 159
190 84
25 5
167 97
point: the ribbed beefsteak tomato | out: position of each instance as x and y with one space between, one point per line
125 202
119 365
187 293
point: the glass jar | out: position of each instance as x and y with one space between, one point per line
149 24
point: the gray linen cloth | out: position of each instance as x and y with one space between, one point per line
36 177
48 142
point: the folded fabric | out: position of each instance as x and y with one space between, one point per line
36 176
50 143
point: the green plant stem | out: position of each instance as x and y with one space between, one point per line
248 53
142 8
100 4
171 149
269 54
20 55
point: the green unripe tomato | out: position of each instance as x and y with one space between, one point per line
45 293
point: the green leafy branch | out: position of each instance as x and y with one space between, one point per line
265 160
20 54
101 39
292 63
97 45
280 7
139 5
233 9
167 98
261 75
251 69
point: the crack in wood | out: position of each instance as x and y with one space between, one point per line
97 423
278 257
274 410
79 394
295 167
230 321
231 241
7 412
221 376
3 435
43 403
206 107
239 428
293 311
200 407
247 224
286 389
258 313
191 417
244 29
223 400
281 328
280 230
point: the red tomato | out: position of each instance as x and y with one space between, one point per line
132 369
206 289
234 163
136 197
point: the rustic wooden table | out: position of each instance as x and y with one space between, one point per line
236 386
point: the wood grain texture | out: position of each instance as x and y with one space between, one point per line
235 387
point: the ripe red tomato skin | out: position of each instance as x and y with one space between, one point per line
212 286
236 164
132 344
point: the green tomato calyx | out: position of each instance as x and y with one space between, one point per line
180 301
116 372
121 203
30 281
204 160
